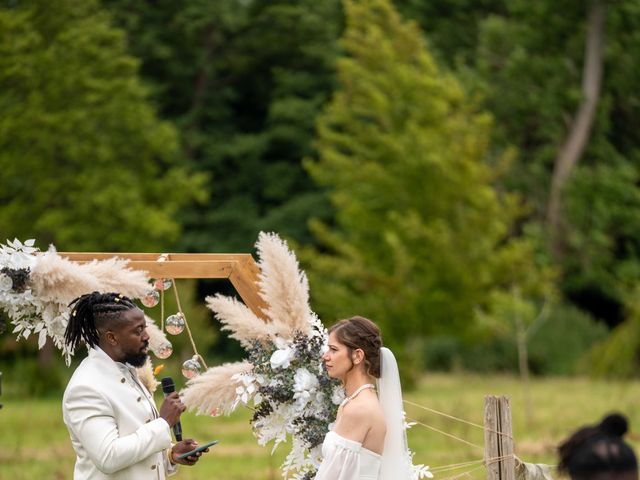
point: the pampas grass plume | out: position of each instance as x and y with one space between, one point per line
214 391
60 280
283 286
242 322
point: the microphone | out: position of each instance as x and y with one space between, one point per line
169 387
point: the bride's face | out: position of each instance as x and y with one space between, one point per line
337 359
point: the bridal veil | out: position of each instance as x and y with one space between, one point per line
396 461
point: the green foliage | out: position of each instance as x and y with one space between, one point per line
528 69
618 355
244 82
421 233
558 346
85 161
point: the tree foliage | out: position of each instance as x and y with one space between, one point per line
244 82
422 235
85 161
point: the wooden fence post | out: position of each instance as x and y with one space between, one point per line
498 439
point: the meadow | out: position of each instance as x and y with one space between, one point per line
34 442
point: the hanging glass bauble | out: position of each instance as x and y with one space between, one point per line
175 324
151 298
6 283
164 351
191 367
162 283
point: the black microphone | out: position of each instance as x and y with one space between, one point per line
169 387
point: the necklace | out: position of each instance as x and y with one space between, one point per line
356 393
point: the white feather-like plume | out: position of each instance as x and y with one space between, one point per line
214 392
241 321
60 280
283 286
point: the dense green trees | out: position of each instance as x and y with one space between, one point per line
85 161
429 176
422 236
244 81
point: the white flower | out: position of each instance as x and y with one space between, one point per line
281 358
304 381
247 388
304 385
338 395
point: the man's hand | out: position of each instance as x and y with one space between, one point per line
184 447
171 409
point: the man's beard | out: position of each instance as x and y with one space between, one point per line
136 359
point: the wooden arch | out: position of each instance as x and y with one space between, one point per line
240 268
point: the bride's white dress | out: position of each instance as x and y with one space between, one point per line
346 459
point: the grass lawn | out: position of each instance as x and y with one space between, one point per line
34 442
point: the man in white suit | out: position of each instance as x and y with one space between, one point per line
114 425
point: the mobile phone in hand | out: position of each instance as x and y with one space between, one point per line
200 448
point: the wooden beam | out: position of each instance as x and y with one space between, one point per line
240 268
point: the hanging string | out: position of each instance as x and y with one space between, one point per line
162 258
446 434
186 324
162 310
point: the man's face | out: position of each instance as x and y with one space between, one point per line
132 337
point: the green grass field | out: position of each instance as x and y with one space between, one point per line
34 443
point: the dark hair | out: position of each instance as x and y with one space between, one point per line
599 452
91 311
359 332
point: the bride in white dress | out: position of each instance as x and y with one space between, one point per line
368 440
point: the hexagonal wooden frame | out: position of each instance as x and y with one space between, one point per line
240 268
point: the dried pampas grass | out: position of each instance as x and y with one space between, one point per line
157 338
214 392
60 280
283 286
114 276
239 319
145 375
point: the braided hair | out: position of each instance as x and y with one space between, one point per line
91 311
361 333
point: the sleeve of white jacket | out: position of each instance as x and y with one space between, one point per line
90 417
340 463
169 468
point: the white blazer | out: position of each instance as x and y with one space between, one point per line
114 424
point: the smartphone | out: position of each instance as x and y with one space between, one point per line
198 449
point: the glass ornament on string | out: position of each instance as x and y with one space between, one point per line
174 324
162 284
151 298
164 351
191 367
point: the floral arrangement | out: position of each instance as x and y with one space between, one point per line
36 288
283 378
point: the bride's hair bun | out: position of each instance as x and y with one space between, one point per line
359 332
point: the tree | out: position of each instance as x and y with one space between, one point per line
578 135
243 81
421 236
85 162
